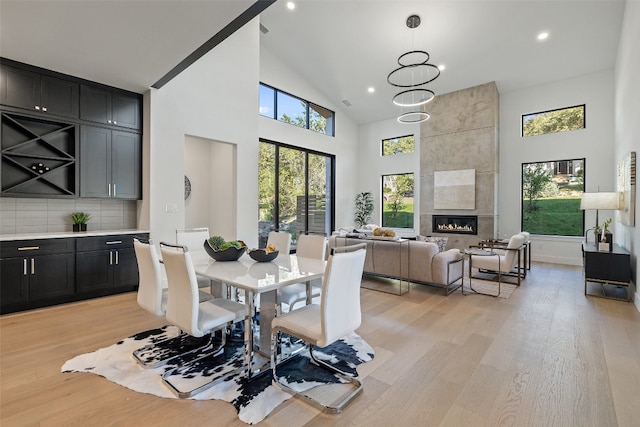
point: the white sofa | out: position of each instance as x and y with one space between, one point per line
414 261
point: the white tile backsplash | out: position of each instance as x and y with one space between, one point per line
21 215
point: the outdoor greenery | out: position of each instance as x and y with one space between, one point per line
397 192
400 219
551 197
553 121
535 179
404 144
560 216
292 165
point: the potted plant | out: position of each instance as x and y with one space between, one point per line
80 220
220 250
364 208
603 235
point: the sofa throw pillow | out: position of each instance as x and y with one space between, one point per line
440 241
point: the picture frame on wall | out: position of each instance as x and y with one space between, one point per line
626 187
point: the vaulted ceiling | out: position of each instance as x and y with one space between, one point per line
343 47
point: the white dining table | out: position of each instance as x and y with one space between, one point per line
265 279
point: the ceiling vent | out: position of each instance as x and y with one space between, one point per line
346 102
263 29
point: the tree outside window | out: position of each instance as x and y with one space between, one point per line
399 145
397 195
551 193
564 119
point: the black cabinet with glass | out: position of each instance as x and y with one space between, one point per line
607 274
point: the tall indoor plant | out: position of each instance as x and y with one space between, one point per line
364 208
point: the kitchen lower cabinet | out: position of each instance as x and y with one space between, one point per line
36 273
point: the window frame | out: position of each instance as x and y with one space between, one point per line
523 199
330 186
307 104
397 138
584 120
383 202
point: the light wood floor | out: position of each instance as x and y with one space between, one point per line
547 356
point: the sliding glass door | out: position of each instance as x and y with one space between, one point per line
295 191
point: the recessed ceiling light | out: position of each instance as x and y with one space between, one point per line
371 89
543 36
441 67
291 5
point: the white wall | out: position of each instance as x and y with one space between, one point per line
216 98
370 154
595 143
627 124
344 145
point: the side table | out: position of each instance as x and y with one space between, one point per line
612 270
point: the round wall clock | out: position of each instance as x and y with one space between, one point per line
187 187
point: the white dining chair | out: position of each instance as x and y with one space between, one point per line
195 318
320 325
308 246
281 240
152 296
193 239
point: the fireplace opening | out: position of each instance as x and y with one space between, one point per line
455 224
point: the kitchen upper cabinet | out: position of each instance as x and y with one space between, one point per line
110 163
39 93
110 107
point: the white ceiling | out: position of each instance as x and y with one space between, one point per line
341 46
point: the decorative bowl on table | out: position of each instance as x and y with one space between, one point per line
261 255
231 253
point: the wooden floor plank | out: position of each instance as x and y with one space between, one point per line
548 355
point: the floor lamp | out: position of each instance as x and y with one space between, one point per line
597 201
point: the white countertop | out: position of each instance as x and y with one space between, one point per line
65 234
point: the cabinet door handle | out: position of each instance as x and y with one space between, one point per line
109 189
109 121
33 266
37 107
114 242
110 258
44 108
114 190
117 260
24 267
115 123
29 248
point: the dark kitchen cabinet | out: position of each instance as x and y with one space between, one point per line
106 264
110 107
35 273
38 156
110 163
39 93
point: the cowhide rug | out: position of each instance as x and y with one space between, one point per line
253 400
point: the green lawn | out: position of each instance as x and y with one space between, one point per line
404 219
561 217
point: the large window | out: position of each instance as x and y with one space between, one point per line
399 145
560 120
397 197
288 108
551 193
295 191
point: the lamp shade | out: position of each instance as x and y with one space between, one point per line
604 200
